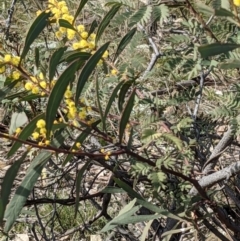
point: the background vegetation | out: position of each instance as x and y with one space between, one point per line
120 120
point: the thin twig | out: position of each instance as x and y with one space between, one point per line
9 19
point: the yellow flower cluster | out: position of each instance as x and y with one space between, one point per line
71 108
114 72
77 145
236 2
10 59
107 154
2 69
84 42
15 75
73 113
40 132
18 131
38 85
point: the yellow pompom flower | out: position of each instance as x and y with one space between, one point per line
41 123
15 60
92 36
47 142
100 62
62 4
64 9
18 130
91 45
105 54
43 84
68 17
70 34
16 75
43 130
58 34
82 115
38 12
78 144
41 77
76 46
35 90
35 135
2 69
83 44
71 104
53 82
7 58
28 86
40 143
68 94
80 28
72 111
84 35
236 2
114 72
62 30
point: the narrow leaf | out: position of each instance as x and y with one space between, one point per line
113 223
143 202
112 190
124 42
23 191
156 209
17 202
128 207
80 7
106 20
128 189
222 12
99 103
135 219
37 57
8 182
6 89
145 231
123 93
92 27
65 24
88 69
216 48
72 55
54 61
24 135
126 114
231 64
57 93
111 99
36 28
176 231
78 184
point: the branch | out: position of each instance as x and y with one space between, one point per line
210 180
218 150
